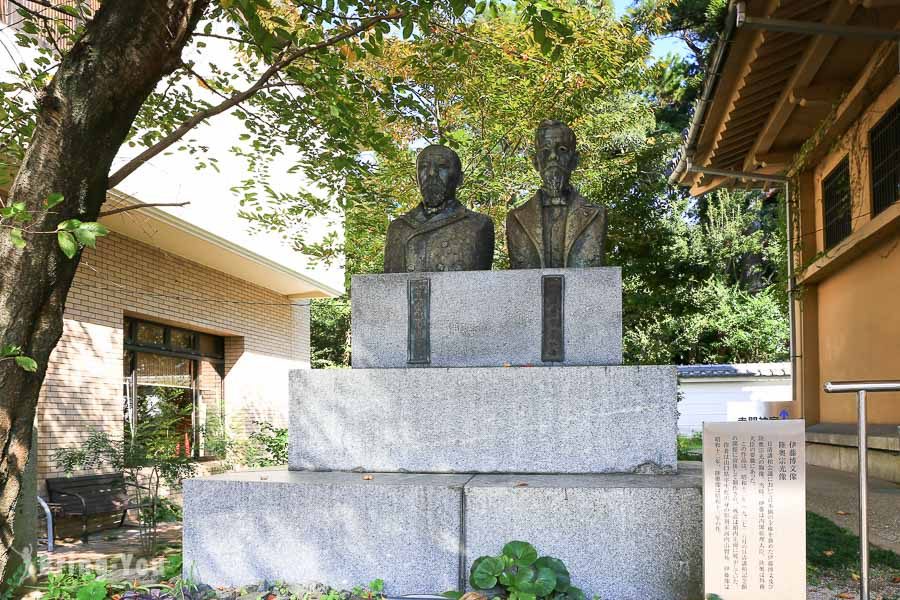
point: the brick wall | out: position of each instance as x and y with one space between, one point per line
266 334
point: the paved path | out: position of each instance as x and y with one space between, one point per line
834 495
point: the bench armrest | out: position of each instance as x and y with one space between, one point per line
74 495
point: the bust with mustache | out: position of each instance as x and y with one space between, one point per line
557 227
440 234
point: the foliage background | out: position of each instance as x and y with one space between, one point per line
704 278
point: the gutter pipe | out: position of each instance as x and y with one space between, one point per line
690 144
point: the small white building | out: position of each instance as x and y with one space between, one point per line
731 392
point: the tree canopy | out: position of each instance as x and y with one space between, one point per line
703 278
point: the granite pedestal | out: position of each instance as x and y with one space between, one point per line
409 474
488 318
485 420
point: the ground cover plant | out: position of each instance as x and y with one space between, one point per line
517 573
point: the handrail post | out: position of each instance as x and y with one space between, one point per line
863 497
861 387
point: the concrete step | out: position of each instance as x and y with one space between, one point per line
624 537
485 420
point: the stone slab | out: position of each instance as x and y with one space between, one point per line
622 537
485 420
334 528
488 318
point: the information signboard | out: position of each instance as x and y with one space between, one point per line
754 497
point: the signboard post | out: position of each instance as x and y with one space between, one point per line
754 497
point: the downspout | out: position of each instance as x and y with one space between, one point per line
690 144
792 287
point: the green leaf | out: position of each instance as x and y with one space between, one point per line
559 569
68 225
574 593
522 553
86 237
452 595
87 233
544 581
484 572
98 228
26 363
523 580
10 350
67 243
54 199
16 236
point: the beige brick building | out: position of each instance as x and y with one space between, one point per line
161 306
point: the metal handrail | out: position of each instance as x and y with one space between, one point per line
49 516
860 388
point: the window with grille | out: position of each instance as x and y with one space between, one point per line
884 140
836 203
174 378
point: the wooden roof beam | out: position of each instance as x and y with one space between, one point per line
825 95
816 52
782 158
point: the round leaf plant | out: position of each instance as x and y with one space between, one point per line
519 574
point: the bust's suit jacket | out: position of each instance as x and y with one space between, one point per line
585 240
456 239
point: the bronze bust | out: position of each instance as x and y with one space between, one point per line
440 234
556 227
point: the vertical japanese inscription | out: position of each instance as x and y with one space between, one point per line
552 323
418 342
754 507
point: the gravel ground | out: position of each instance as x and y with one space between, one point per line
883 585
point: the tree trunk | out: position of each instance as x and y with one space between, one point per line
85 113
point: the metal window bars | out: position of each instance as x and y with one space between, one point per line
884 140
861 388
836 203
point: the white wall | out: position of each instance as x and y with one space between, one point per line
727 399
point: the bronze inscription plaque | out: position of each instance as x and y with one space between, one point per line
552 324
418 293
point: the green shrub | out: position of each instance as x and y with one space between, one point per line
266 447
690 447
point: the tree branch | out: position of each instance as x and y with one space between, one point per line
227 38
122 209
200 116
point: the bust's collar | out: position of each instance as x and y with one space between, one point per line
420 217
570 197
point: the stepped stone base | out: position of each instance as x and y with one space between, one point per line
485 420
624 537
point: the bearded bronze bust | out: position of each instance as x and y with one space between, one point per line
556 228
440 234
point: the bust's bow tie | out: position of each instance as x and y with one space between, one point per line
561 201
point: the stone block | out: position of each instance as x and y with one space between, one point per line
485 420
333 528
488 318
622 537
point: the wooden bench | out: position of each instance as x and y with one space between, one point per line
89 495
